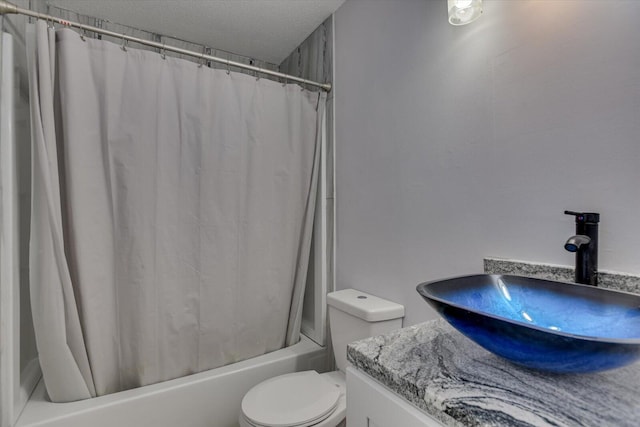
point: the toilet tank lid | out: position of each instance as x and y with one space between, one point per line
365 306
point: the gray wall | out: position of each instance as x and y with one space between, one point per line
456 143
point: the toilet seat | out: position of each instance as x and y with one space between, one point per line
300 399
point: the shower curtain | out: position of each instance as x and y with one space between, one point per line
172 213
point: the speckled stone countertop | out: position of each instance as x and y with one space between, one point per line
606 279
459 383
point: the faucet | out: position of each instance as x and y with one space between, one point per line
585 246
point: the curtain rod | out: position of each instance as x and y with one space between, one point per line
9 8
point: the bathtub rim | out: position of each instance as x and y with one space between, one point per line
40 412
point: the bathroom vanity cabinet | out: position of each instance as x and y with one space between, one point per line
373 405
431 375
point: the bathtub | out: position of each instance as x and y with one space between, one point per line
211 398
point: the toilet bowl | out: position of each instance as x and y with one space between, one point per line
305 399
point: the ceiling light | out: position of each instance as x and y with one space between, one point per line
462 12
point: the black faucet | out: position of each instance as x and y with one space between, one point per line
585 245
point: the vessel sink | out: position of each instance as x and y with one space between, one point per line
541 324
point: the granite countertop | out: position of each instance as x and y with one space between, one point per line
606 279
458 382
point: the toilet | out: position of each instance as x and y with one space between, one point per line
305 399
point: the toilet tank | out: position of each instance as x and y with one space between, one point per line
354 315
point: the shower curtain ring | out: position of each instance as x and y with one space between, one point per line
201 61
285 82
83 35
228 68
163 52
124 43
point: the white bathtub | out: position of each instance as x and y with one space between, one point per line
211 398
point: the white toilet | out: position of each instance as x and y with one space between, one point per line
305 399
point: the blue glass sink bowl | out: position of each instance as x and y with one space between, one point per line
541 324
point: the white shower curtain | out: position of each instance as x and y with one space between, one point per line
172 213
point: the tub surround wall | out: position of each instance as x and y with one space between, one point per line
313 60
440 371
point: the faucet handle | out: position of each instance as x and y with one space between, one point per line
584 217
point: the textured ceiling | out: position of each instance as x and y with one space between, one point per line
268 30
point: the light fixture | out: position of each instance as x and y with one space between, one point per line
462 12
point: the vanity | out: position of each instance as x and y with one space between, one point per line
431 375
